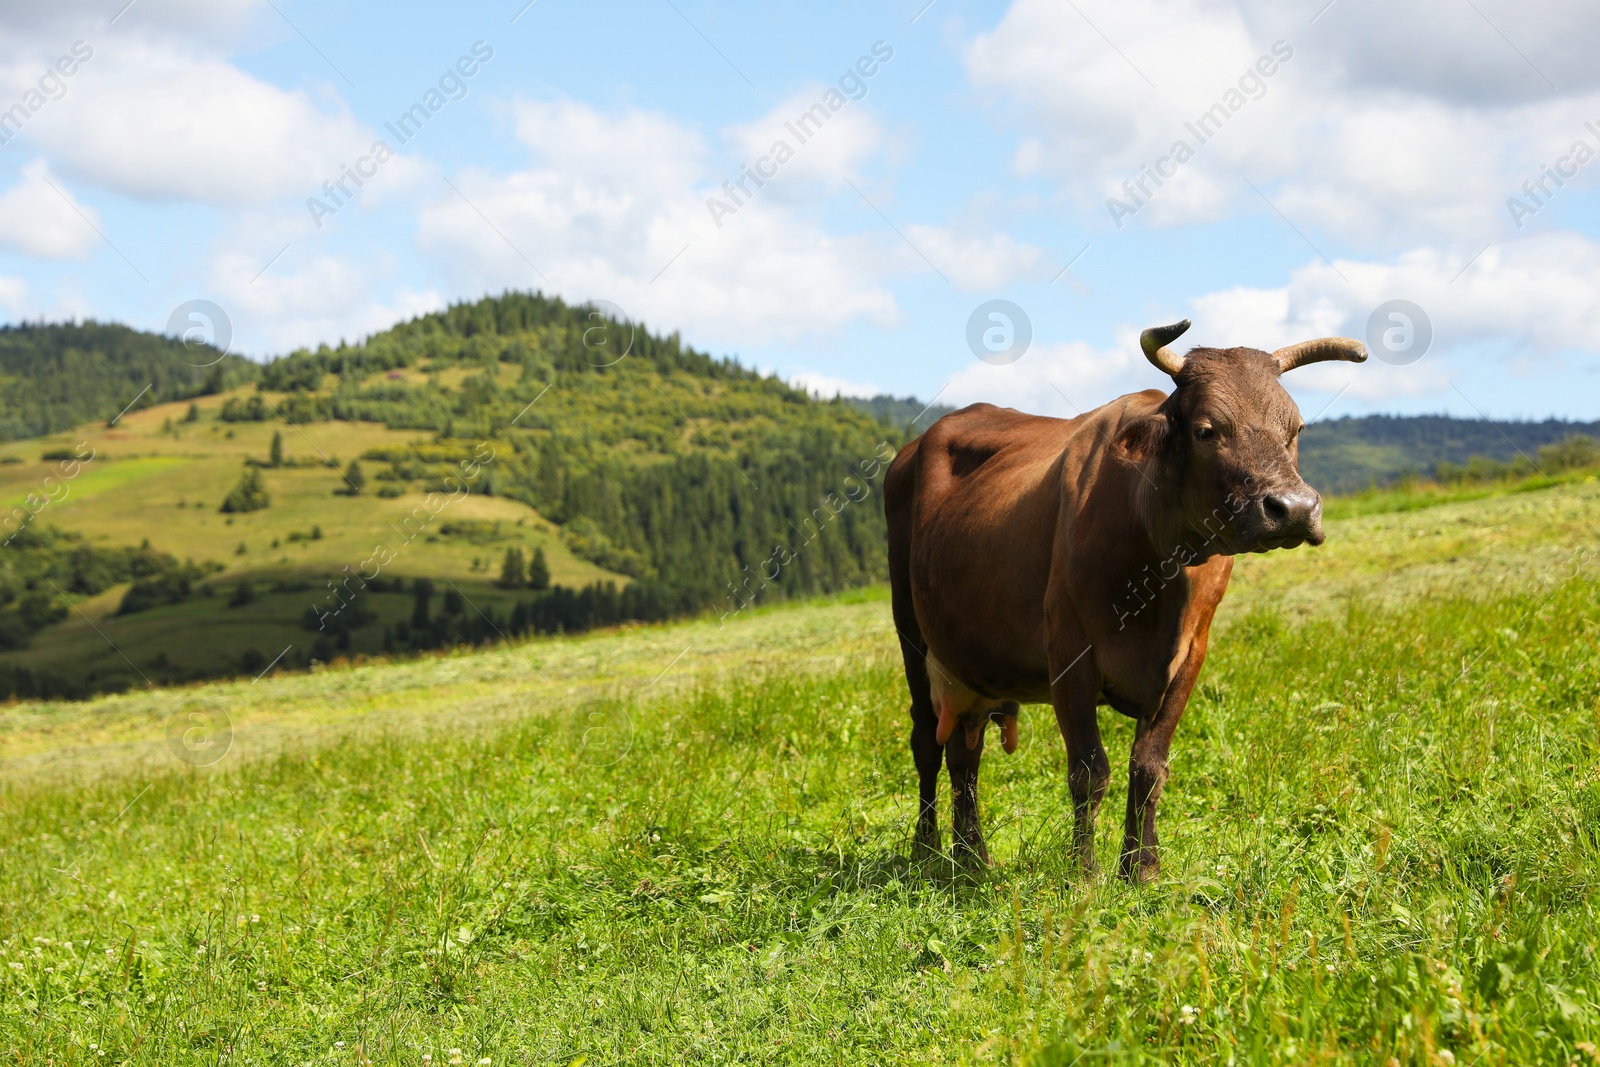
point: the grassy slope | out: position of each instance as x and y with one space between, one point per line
145 483
1378 842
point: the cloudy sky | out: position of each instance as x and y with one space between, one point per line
1273 171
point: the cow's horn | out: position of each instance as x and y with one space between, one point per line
1323 348
1155 340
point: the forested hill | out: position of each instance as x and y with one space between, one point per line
905 411
686 472
60 375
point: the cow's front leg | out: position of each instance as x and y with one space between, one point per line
1147 770
1074 693
1147 773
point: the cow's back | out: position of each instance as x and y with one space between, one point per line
972 506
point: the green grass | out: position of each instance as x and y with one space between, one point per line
1415 494
689 843
95 479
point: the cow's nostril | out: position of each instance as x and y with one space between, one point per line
1276 510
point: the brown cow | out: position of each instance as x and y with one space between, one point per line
1079 562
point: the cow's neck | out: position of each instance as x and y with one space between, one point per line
1161 532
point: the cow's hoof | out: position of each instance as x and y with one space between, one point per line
1138 871
1088 861
925 846
970 855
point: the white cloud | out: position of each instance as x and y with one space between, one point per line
1537 295
1480 54
1063 379
38 220
974 262
1534 299
157 119
13 294
571 137
827 386
1378 127
305 300
1530 303
814 166
25 19
613 207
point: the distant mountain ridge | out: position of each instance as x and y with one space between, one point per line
1349 454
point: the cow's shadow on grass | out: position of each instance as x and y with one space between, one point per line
1031 855
889 861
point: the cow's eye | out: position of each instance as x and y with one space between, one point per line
1204 433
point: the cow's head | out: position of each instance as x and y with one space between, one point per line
1226 440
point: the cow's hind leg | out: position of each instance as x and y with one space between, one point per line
962 754
899 493
926 751
1088 769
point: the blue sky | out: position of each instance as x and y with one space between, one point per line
1357 154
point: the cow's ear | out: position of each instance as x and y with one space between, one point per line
1143 438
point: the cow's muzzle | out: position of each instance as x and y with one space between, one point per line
1283 518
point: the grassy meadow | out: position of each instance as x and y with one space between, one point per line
690 842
